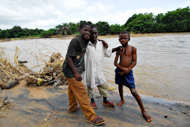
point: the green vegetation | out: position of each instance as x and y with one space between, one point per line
173 21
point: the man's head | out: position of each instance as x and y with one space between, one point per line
85 30
124 38
94 33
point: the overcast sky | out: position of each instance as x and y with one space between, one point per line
46 14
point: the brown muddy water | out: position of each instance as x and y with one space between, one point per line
162 70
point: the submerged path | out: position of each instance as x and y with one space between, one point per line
47 107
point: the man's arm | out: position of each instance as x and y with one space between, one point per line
116 59
71 52
71 65
121 48
117 65
113 49
134 58
124 69
104 43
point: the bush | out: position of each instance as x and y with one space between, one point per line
46 34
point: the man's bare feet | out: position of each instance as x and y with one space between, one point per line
147 116
120 103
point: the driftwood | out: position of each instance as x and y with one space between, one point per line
50 74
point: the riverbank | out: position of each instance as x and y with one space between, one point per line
66 37
47 107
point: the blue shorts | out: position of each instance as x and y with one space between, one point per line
127 80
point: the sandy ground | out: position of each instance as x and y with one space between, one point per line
47 107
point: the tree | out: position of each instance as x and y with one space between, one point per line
130 19
103 28
178 20
159 18
59 29
16 32
65 28
123 28
46 34
37 31
62 28
115 29
73 29
83 21
53 31
141 23
3 34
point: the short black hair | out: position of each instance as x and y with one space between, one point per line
93 26
84 24
125 32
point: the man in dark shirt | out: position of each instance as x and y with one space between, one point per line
72 69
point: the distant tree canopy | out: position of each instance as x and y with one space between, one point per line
173 21
18 32
177 21
103 28
141 23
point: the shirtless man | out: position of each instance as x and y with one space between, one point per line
124 73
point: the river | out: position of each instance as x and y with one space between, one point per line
163 62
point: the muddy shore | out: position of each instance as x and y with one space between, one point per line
47 107
65 37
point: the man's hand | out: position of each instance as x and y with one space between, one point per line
126 70
122 49
104 43
78 76
121 73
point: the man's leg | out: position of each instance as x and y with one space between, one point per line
103 89
90 92
80 93
72 99
139 101
90 95
120 88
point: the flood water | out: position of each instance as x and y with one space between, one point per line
163 62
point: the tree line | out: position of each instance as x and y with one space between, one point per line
172 21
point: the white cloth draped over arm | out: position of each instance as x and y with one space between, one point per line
107 52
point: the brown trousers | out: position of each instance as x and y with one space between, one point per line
77 92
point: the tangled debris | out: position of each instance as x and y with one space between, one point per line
11 74
51 74
4 104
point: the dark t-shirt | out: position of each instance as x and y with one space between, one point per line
76 51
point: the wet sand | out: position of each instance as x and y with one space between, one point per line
47 107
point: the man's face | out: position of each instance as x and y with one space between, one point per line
94 34
85 32
123 39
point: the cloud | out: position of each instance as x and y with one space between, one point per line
118 17
47 14
27 12
187 3
73 4
122 17
154 10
